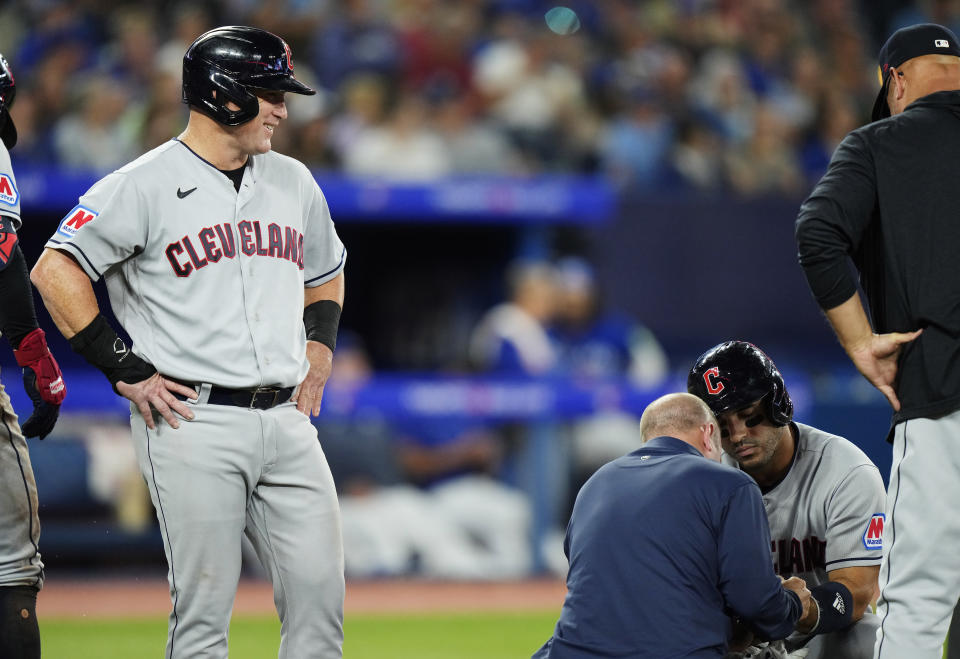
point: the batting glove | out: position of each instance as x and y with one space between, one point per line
43 383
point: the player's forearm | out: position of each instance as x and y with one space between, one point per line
850 323
17 315
66 291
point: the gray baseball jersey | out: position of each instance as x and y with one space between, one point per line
826 514
180 250
828 511
20 563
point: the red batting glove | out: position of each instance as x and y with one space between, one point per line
42 381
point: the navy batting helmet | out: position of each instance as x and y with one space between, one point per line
8 132
736 374
224 64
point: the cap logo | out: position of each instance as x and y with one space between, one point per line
714 387
289 56
941 43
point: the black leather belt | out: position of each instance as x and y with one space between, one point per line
258 398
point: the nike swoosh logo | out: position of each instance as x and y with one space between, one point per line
184 194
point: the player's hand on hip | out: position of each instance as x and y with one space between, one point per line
877 361
309 394
154 393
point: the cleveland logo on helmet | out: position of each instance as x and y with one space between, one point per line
711 377
748 376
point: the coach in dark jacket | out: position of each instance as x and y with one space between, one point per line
890 200
665 545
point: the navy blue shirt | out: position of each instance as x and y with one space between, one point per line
664 545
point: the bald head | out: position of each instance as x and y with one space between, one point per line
920 76
685 417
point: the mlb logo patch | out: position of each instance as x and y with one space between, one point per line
8 190
941 43
873 536
75 219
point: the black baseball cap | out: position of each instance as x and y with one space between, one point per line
907 43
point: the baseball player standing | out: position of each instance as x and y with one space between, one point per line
222 264
21 570
889 201
823 496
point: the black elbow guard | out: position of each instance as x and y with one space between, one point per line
836 607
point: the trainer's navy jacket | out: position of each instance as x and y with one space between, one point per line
889 200
664 545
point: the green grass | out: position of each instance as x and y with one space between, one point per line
450 636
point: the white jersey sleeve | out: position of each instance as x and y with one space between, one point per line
324 255
9 194
108 226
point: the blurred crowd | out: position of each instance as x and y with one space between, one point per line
699 94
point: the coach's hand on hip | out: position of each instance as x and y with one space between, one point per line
154 394
877 358
310 392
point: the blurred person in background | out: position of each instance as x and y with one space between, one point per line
636 142
473 144
438 39
130 58
34 142
456 462
163 113
720 93
357 38
511 338
766 163
363 101
187 22
403 148
836 117
697 157
595 345
419 496
101 135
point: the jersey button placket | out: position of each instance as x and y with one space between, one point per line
246 274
